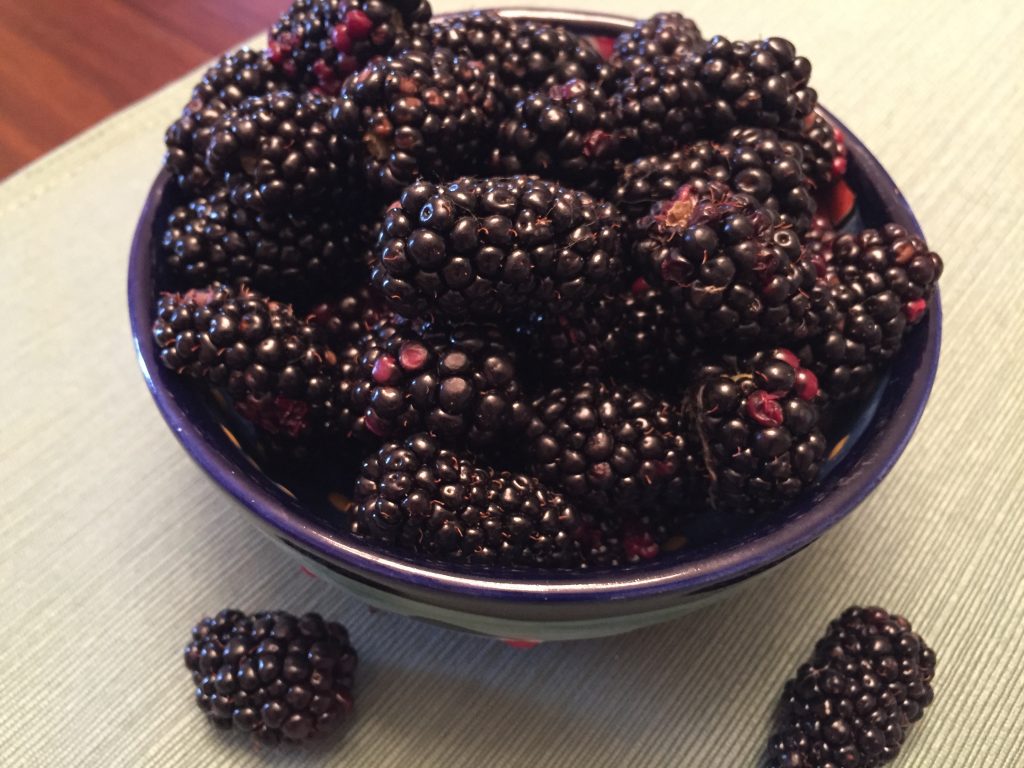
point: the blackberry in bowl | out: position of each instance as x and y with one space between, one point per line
510 405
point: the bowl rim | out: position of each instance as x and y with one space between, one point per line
713 570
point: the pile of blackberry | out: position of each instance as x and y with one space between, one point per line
551 309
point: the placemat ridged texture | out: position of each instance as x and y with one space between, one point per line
112 543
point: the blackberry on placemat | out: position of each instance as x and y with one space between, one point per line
271 673
853 702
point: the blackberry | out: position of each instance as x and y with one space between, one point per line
292 254
853 702
761 83
760 168
822 146
661 104
416 115
817 243
567 132
526 55
494 247
763 167
274 674
460 385
635 335
276 152
737 275
319 43
880 282
277 369
420 496
235 77
610 447
663 35
347 319
759 436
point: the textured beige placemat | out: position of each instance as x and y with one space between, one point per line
112 543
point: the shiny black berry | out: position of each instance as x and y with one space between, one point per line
734 271
569 132
758 432
461 385
416 115
232 79
488 248
275 153
276 367
292 254
879 283
761 83
525 55
271 673
670 35
611 447
853 702
318 43
422 497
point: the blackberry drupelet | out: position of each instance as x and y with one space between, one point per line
661 104
635 335
565 132
761 83
277 369
235 77
879 282
276 152
761 168
319 43
610 447
420 496
526 55
460 385
291 254
496 247
663 35
736 275
852 704
274 674
758 434
416 115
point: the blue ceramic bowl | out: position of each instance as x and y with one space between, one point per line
306 514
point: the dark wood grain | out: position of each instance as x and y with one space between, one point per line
66 64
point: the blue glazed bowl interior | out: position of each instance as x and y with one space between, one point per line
306 508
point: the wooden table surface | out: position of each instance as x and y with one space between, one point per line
67 65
